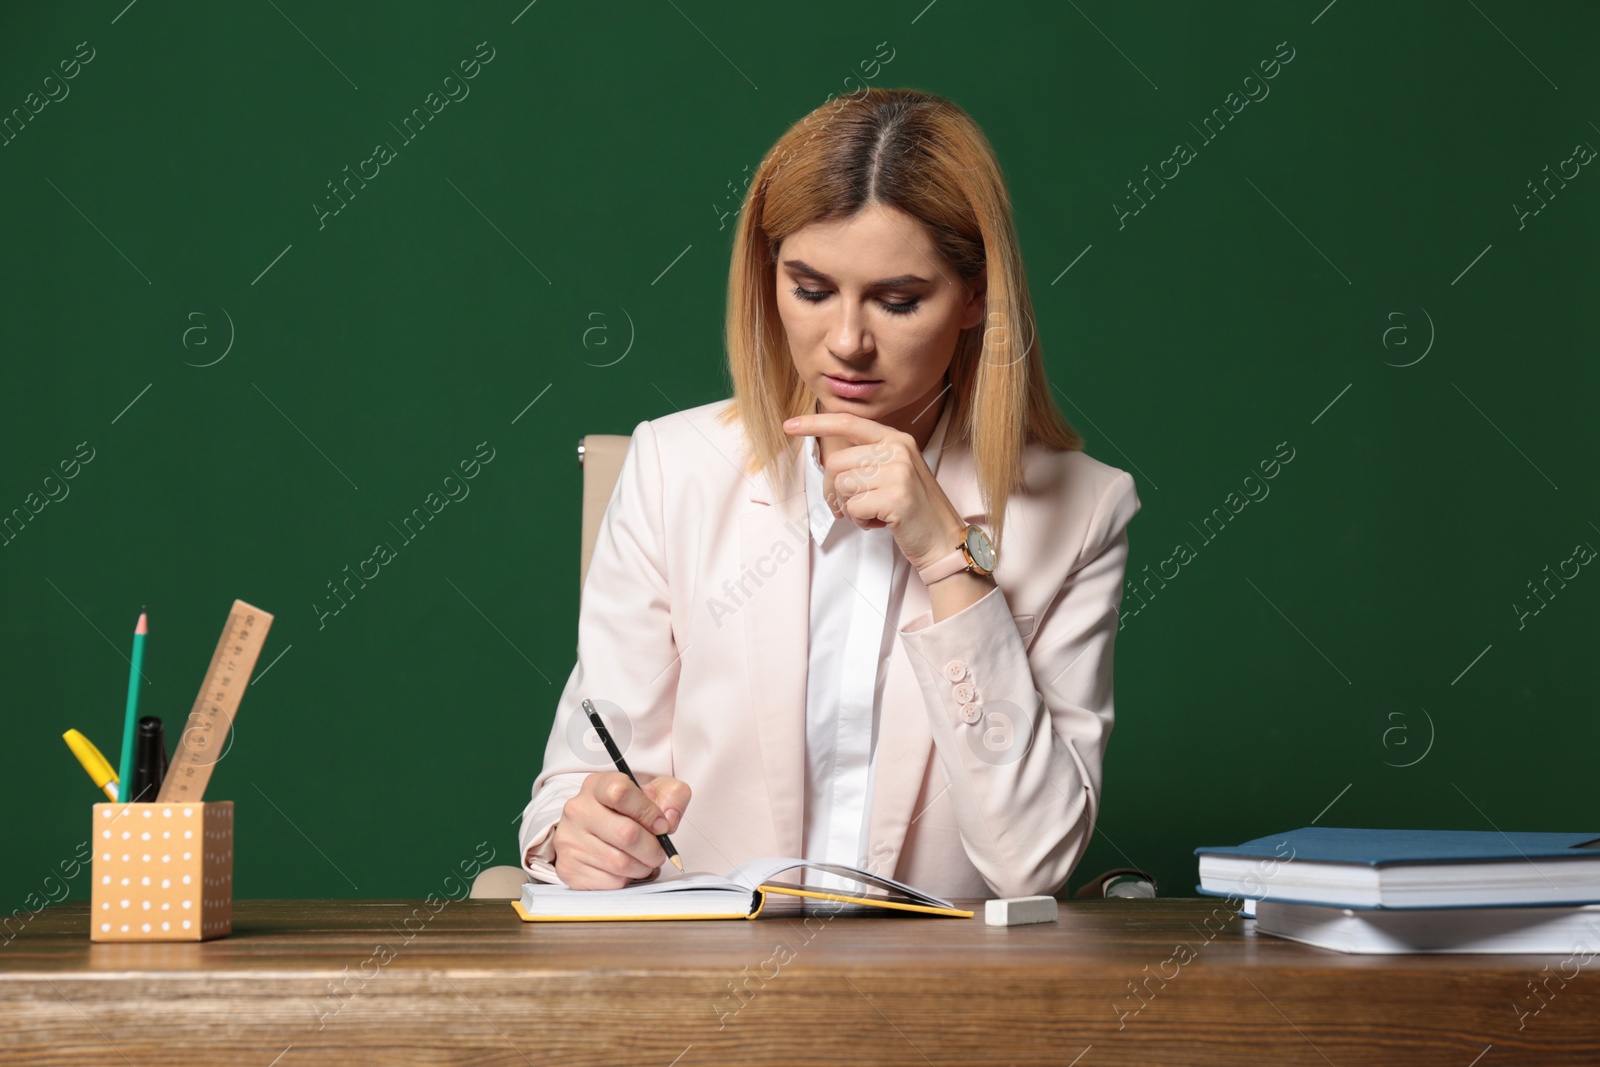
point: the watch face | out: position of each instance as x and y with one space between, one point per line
981 549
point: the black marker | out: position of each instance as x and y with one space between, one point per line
149 761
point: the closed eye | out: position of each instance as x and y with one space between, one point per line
813 296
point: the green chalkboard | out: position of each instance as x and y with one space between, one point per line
1352 242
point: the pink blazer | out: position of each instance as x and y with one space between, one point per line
694 621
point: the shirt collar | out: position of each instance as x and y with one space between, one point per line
821 515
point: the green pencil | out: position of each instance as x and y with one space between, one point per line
129 725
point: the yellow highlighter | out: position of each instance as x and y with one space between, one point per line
93 762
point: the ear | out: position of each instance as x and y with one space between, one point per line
972 314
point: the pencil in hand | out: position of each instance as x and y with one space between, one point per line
622 765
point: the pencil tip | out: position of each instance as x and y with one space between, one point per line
676 862
143 626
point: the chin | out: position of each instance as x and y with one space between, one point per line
874 409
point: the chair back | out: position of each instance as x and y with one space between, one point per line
601 456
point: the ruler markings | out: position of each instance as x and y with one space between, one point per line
217 703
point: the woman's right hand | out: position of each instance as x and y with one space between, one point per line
606 836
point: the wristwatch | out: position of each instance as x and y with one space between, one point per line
975 553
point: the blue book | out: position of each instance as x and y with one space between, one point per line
1373 868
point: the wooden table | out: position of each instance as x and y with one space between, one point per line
391 982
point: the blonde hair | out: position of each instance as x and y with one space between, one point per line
922 154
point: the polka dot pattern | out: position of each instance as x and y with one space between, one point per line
136 893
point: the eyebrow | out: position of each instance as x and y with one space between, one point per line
900 280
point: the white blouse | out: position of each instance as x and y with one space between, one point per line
858 578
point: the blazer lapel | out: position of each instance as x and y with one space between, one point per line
777 641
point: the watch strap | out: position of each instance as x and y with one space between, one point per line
945 566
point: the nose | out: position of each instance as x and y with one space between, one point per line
848 337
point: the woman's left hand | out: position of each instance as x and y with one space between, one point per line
881 479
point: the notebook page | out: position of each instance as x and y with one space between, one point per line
675 882
756 872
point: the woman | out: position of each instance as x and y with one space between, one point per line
802 609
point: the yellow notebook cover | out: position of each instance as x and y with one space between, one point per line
740 894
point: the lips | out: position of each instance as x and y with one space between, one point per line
852 388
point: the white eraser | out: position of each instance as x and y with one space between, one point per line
1019 911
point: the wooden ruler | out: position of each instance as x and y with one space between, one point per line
212 715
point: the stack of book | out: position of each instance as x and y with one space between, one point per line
1399 891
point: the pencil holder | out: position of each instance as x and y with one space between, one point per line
162 872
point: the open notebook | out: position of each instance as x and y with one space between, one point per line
739 894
